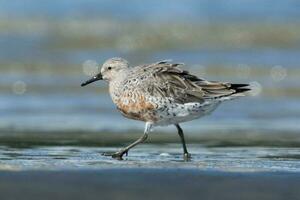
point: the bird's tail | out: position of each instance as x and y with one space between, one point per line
240 89
223 91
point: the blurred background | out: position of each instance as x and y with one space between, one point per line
47 48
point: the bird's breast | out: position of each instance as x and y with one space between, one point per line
136 106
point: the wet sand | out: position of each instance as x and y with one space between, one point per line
145 183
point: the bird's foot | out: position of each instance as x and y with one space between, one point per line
187 156
117 155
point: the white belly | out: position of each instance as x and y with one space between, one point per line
177 113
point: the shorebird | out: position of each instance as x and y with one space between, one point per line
162 94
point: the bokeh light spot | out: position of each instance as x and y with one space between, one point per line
278 73
256 88
19 87
90 67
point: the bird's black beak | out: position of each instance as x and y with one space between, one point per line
95 78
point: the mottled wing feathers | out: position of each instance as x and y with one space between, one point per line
165 79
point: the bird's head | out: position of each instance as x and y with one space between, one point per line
110 69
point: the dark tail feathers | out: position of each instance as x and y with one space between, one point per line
240 88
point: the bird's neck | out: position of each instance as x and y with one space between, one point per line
116 85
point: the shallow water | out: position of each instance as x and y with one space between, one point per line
238 159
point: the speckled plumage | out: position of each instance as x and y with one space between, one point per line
162 93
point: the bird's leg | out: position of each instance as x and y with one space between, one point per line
119 154
186 154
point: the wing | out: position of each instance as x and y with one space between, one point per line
168 80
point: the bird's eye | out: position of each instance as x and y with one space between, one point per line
109 68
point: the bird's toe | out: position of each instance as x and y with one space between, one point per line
187 156
119 155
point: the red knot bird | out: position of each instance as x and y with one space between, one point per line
162 94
